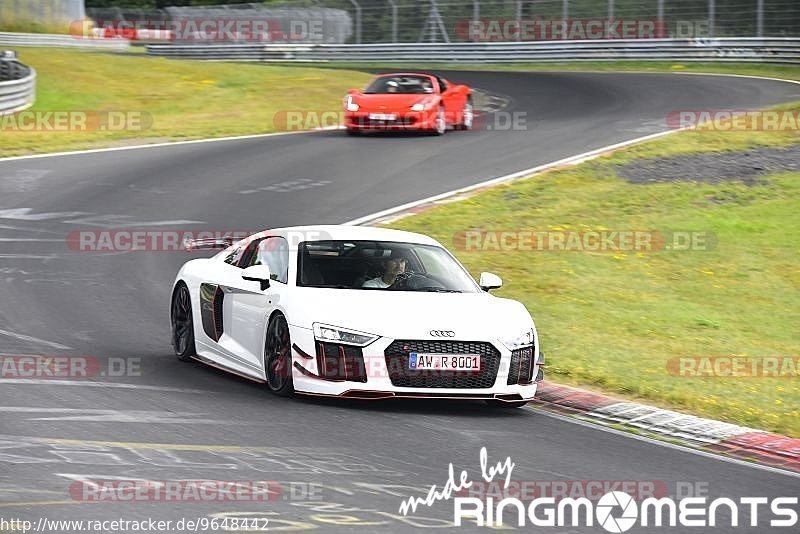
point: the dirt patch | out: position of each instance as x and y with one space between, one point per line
744 166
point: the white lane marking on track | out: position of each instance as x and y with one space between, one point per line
24 214
31 339
737 76
23 180
31 256
125 221
154 145
653 441
28 229
118 416
26 239
572 160
289 186
86 383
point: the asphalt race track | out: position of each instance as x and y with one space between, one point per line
351 462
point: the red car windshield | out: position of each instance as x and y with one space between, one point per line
407 85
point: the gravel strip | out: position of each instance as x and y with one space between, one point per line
744 166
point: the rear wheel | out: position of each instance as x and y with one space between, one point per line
278 357
502 404
353 131
182 323
467 115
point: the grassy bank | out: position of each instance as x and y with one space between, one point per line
614 320
185 99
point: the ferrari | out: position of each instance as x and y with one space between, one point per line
418 102
358 312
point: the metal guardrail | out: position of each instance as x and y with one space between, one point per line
17 84
745 49
47 39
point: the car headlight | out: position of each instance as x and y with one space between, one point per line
350 105
345 336
517 341
419 106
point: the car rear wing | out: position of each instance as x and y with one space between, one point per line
213 243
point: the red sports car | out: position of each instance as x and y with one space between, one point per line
403 101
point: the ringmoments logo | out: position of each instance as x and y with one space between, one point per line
615 511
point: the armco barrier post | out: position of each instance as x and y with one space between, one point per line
17 84
8 65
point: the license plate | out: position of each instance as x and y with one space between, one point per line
382 116
444 362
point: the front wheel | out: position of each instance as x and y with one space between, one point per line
278 357
353 132
182 323
440 124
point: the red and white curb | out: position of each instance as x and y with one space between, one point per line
706 434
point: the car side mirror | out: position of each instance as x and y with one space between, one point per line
258 273
353 91
490 281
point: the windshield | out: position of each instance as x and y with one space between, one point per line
381 265
408 85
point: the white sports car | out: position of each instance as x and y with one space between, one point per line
357 312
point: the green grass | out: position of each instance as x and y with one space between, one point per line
611 321
186 99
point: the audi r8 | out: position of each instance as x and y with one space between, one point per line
421 102
357 312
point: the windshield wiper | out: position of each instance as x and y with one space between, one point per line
439 290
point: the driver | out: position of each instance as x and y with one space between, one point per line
393 267
392 87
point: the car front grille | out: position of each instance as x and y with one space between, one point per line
397 355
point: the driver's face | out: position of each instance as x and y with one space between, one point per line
395 266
